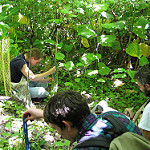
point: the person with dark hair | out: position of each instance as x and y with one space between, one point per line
19 68
142 116
69 114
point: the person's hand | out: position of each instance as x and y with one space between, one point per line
129 112
48 80
32 113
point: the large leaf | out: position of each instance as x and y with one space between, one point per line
143 61
86 32
69 65
133 49
59 56
88 58
68 47
140 27
103 69
106 40
145 49
22 19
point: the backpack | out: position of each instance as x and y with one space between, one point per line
130 141
117 143
138 115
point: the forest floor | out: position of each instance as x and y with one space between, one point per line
41 136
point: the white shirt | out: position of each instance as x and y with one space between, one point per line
145 120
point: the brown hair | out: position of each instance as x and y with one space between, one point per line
35 53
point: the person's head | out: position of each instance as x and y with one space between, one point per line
143 79
36 56
65 112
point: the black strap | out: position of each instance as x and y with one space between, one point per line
100 141
118 126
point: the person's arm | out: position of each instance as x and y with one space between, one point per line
36 77
32 113
146 134
129 112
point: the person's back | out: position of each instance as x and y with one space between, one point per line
94 127
16 65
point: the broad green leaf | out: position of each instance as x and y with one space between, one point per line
120 24
139 31
145 49
22 19
140 27
131 73
85 42
69 65
106 40
77 79
79 65
88 58
98 56
59 56
133 49
143 61
100 65
68 48
116 45
86 32
103 69
144 23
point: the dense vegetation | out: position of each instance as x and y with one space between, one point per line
96 45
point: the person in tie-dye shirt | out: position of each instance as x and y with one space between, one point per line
69 114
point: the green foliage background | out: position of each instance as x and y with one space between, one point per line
94 42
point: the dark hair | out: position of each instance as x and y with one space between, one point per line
143 75
68 106
35 53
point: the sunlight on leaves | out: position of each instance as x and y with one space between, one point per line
93 72
145 49
133 49
106 40
69 65
22 19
